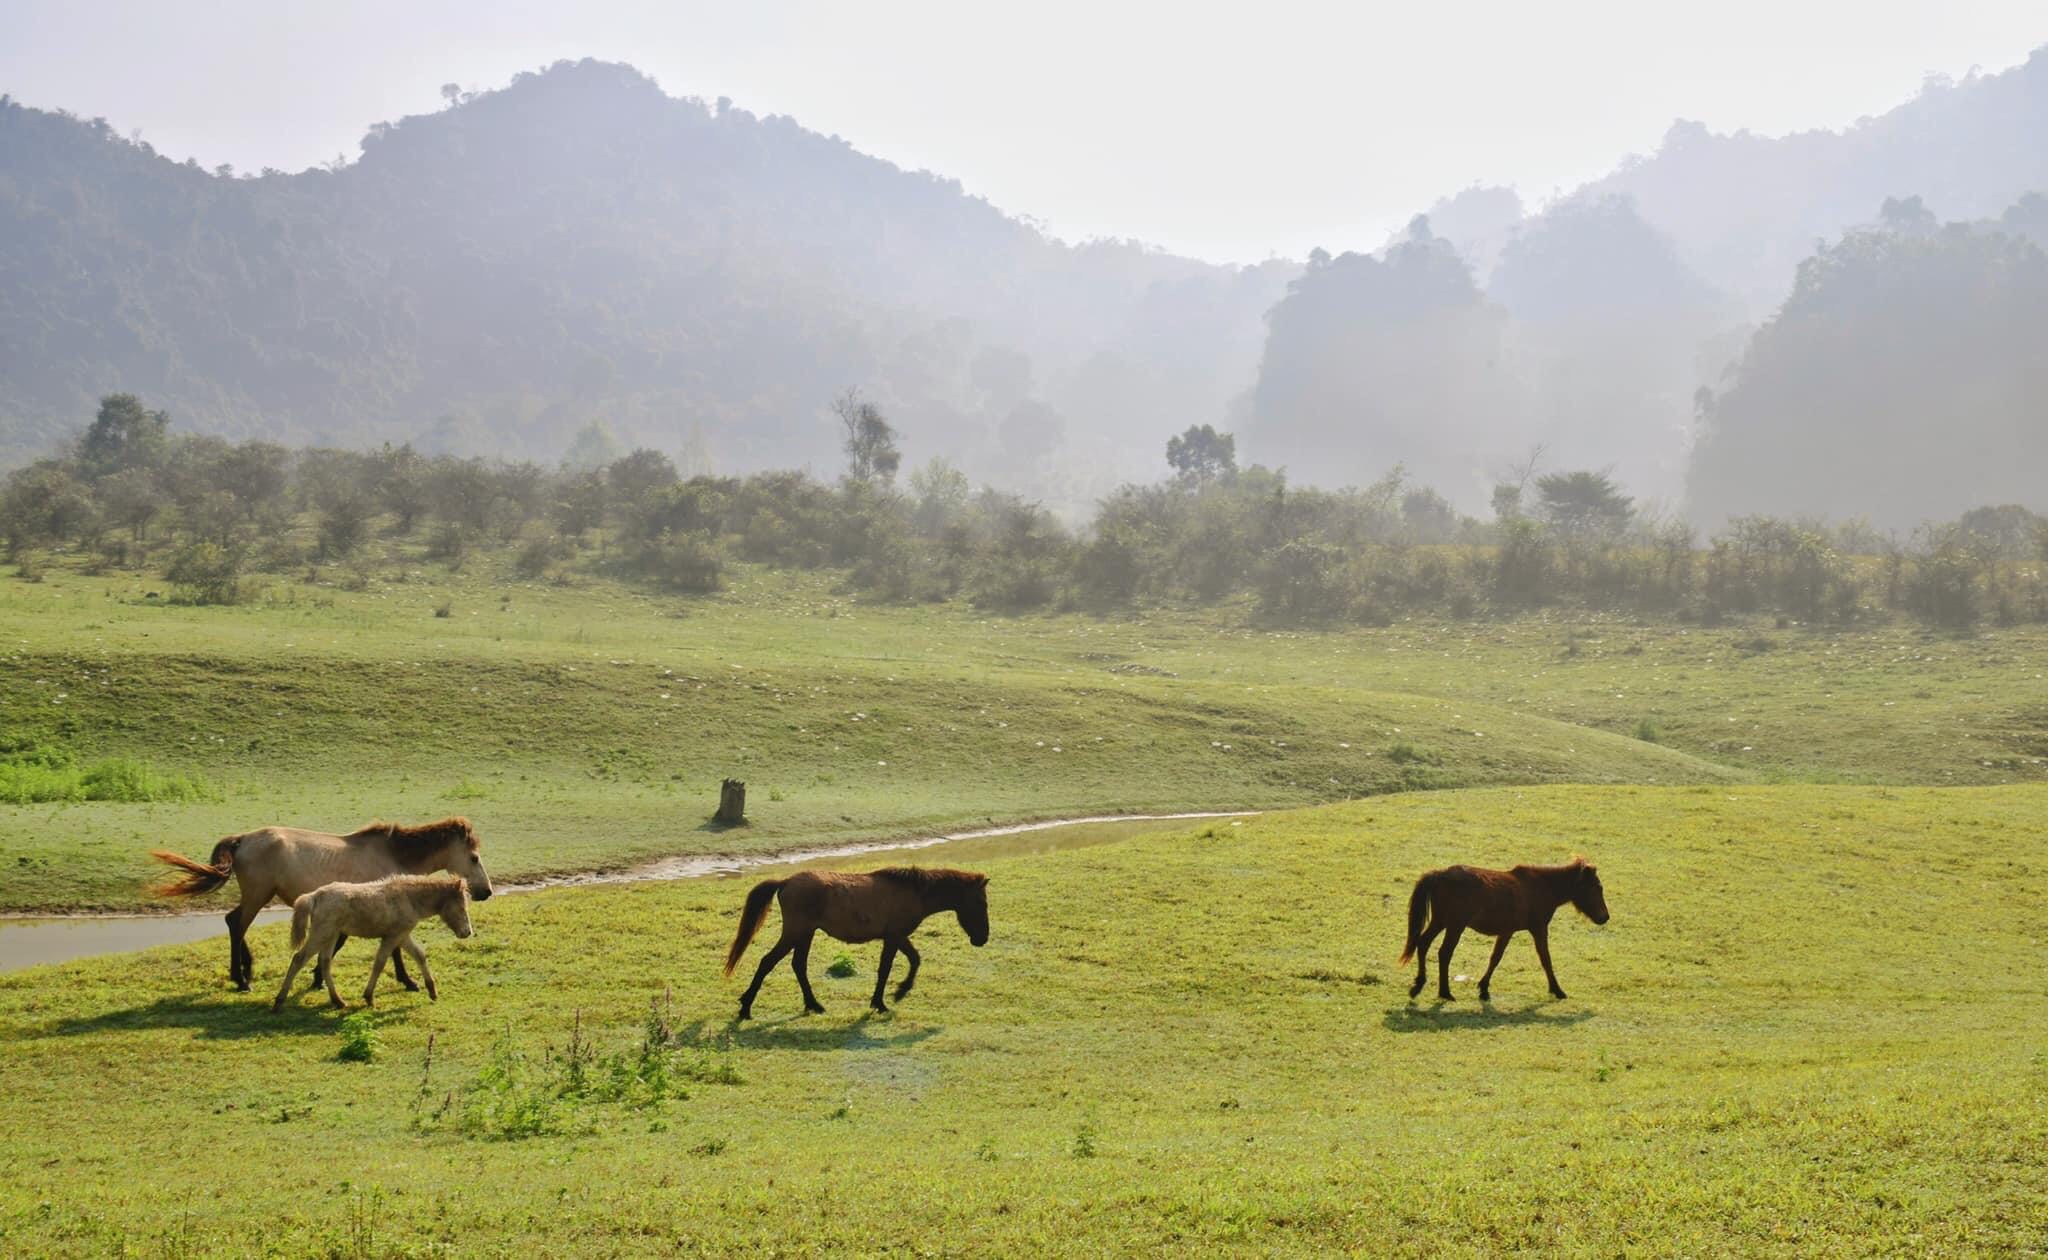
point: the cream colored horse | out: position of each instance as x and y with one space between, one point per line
388 910
286 863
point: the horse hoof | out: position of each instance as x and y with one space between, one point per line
878 1008
744 1014
814 1009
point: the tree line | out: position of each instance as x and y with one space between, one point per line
132 494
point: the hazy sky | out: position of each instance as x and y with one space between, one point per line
1233 132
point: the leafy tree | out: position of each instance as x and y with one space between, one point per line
124 434
633 477
939 493
592 447
1202 454
1583 504
132 497
870 443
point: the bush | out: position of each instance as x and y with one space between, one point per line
539 555
41 774
358 1038
681 562
206 573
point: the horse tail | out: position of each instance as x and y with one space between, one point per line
302 920
750 919
1418 914
198 879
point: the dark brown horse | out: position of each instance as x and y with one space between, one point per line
287 863
885 906
1500 904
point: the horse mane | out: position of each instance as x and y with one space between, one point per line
925 880
441 881
411 844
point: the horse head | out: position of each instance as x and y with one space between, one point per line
455 910
466 861
972 909
1587 895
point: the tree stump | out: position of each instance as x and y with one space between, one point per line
732 804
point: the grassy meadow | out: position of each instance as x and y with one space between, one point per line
1814 1026
587 727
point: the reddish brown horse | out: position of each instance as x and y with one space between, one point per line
886 906
1500 904
287 863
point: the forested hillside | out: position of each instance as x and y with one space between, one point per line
580 247
581 264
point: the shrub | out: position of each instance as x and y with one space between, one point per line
358 1038
40 774
687 562
206 573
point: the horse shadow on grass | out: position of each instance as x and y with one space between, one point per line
211 1018
871 1031
1446 1017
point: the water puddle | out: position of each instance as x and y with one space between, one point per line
31 942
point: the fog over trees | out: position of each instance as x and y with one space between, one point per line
579 264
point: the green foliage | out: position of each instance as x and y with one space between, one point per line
1202 454
575 1087
358 1038
36 773
842 966
206 573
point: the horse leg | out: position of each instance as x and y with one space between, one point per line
908 951
1499 947
241 959
1541 935
768 962
1443 961
320 972
398 969
800 962
384 948
419 956
291 973
327 971
882 974
1422 958
235 948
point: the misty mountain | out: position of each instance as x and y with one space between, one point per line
1902 381
1745 209
580 247
1378 360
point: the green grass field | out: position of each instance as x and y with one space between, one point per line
1816 1025
588 727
